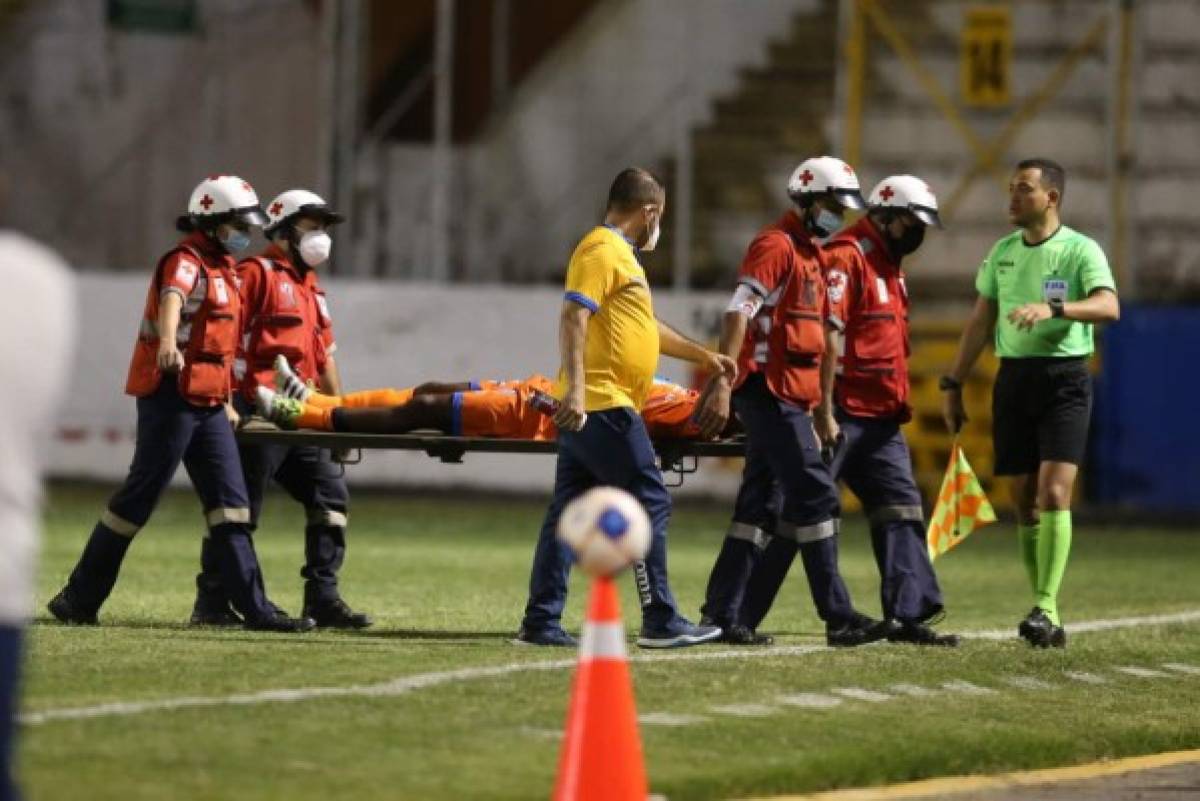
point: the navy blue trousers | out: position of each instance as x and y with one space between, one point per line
874 461
759 499
309 475
169 431
10 667
612 449
787 494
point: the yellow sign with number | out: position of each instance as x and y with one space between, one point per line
986 64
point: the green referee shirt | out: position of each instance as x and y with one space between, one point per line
1068 265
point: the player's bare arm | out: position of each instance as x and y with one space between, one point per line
978 333
713 407
1101 306
572 332
824 423
677 346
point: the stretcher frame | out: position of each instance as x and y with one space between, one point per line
677 456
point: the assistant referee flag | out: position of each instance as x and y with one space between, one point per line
961 506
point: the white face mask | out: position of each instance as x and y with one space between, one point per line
315 247
652 242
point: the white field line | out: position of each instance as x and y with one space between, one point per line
1096 625
809 700
405 685
1191 670
1086 678
967 688
669 719
1028 683
1141 672
915 690
744 710
859 694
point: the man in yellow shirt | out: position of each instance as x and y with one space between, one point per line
609 341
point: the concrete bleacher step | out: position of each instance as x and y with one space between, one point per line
757 133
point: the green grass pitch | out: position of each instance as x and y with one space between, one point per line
445 578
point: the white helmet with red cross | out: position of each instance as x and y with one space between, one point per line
299 203
824 174
223 198
910 193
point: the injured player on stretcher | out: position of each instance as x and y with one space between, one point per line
499 409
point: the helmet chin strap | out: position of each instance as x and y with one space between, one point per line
293 251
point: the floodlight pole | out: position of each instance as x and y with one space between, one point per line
681 278
501 52
345 127
443 120
1122 116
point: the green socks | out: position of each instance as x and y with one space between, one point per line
1053 545
1028 538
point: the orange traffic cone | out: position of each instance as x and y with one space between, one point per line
601 758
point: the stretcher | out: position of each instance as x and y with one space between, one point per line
675 456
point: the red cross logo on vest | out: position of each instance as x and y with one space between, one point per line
887 194
276 208
207 202
805 177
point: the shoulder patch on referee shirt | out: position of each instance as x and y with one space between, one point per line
1054 289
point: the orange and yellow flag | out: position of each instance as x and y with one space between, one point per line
961 506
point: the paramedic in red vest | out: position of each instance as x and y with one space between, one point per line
862 417
778 325
286 315
181 377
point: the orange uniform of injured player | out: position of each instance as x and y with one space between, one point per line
499 409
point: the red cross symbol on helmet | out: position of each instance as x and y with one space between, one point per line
805 177
276 209
206 202
887 194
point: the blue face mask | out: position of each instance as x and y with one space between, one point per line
236 241
826 223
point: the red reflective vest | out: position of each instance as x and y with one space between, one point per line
209 324
286 314
867 292
786 269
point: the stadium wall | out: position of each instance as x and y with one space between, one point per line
628 82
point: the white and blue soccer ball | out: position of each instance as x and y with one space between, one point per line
607 529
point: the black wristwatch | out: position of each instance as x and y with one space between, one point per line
949 384
1058 309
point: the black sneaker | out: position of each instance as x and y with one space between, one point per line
738 634
336 614
1058 637
679 633
858 630
1037 629
213 611
919 634
278 620
69 611
553 637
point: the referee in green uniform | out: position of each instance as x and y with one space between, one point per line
1041 290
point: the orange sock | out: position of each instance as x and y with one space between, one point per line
376 398
315 417
323 401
